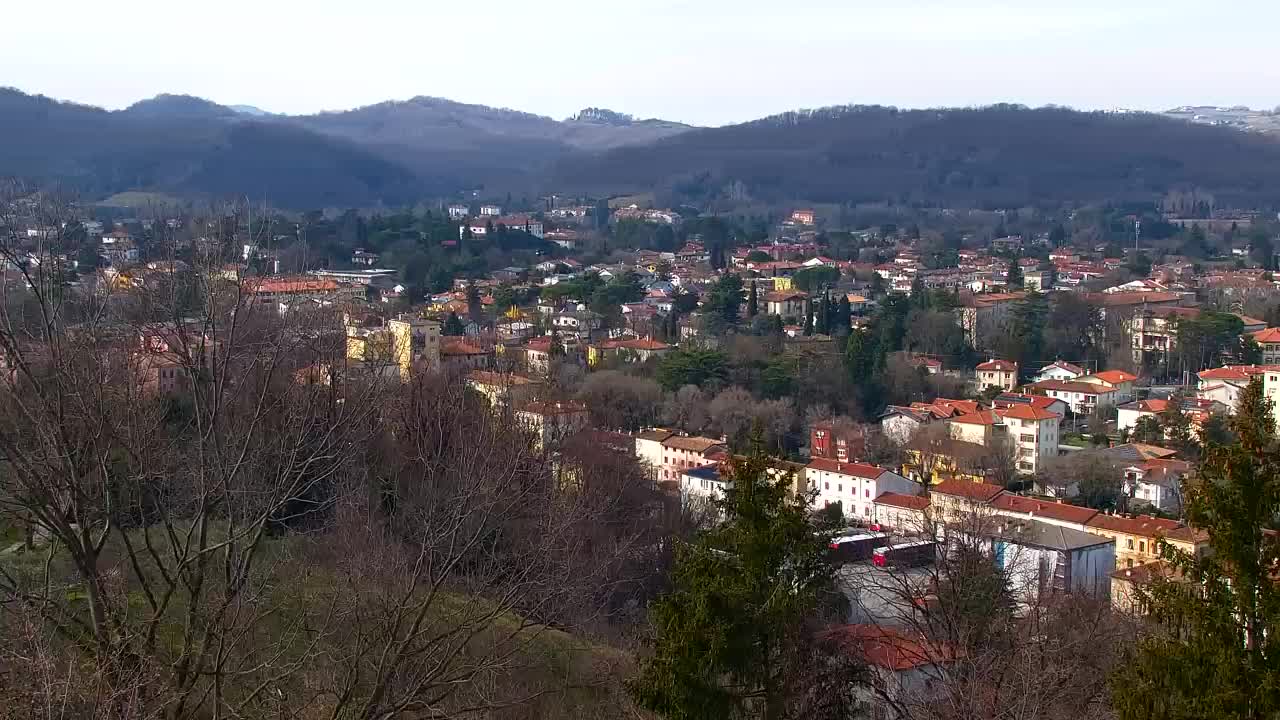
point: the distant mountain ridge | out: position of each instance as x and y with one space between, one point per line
399 152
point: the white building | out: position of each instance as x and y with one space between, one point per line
998 373
853 486
490 210
1081 397
1118 380
458 212
1059 370
1043 559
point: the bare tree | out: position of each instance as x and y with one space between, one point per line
230 519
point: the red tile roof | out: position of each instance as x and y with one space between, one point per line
986 417
1115 377
888 647
980 492
643 344
1027 412
1144 525
1269 335
1153 405
1071 386
1044 509
295 285
999 365
692 444
862 470
908 502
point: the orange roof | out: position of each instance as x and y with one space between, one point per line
1235 372
1153 405
962 407
1027 412
289 285
694 444
981 492
1115 376
642 344
986 417
1270 335
1001 365
1144 525
862 470
461 347
908 502
889 648
1041 508
566 407
1071 386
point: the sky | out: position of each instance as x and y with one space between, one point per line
706 62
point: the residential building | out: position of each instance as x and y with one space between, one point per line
786 304
1138 537
625 351
1153 331
963 503
998 373
461 355
1119 381
490 211
1128 415
837 441
1081 397
552 422
1156 482
853 486
899 424
1052 512
668 455
981 314
1033 432
361 256
902 513
458 212
1226 384
1053 405
1269 341
1041 558
901 665
1059 370
701 485
526 223
803 216
502 389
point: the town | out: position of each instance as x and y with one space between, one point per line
1037 389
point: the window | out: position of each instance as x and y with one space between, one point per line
826 486
1129 543
868 493
1142 546
839 488
1027 438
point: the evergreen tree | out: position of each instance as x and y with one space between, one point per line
919 295
753 302
453 326
1176 426
808 317
734 634
843 315
1215 647
1014 276
475 308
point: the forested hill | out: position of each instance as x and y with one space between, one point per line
190 147
997 157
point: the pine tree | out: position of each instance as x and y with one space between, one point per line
808 317
453 326
1215 651
733 635
1013 277
753 302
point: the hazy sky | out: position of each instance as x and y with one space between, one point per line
699 61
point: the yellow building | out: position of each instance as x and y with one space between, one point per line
404 343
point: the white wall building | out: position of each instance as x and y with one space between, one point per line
854 486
